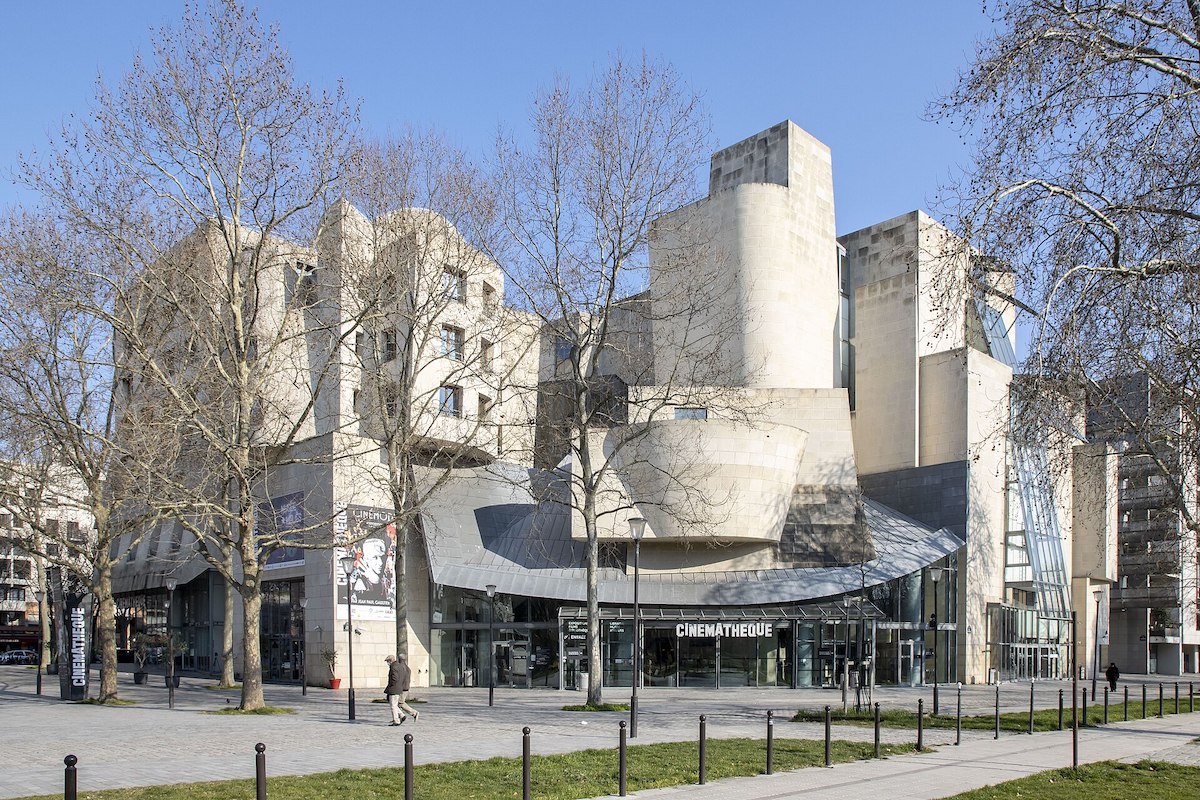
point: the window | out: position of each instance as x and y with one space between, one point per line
485 407
487 354
563 349
489 295
391 402
304 285
450 401
389 345
354 395
452 342
454 284
691 413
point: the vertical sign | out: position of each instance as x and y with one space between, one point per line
74 635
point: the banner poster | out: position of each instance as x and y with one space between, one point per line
284 513
74 621
371 583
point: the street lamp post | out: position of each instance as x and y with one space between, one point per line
936 576
171 583
347 563
1098 594
491 593
846 657
637 528
303 647
41 645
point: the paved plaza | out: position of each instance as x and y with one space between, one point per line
149 744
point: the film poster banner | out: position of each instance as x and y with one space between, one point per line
284 513
371 583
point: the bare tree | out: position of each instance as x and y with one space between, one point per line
432 361
74 488
1083 185
195 173
579 208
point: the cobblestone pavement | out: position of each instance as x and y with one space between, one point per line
149 744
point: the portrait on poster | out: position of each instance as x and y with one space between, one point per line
371 583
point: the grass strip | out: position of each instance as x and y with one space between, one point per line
1107 780
1045 719
568 776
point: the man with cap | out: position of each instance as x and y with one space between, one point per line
399 679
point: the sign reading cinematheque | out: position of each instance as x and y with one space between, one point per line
728 630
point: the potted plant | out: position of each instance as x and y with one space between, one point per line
330 656
142 642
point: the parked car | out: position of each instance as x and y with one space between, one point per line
18 657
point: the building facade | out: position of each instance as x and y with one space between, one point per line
878 516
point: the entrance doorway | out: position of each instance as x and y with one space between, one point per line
907 661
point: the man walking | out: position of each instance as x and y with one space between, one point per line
1113 674
399 679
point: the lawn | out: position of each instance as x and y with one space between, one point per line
1107 780
571 776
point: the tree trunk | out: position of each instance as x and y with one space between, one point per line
228 677
252 690
593 605
106 629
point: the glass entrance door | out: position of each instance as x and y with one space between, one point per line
908 675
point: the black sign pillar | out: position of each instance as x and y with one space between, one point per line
74 622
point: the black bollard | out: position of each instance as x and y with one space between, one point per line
770 741
1160 701
878 752
622 764
1143 701
70 778
936 706
526 777
408 766
997 736
1060 709
958 718
1085 707
920 724
1031 709
1105 705
1126 704
703 749
828 735
1191 698
1176 697
260 771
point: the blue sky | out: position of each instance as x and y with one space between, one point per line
856 74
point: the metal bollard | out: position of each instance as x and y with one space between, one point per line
1031 709
997 736
1105 705
1126 704
958 717
703 749
920 724
936 706
1085 707
1060 709
622 764
828 735
1191 698
408 766
878 752
770 742
1143 701
70 778
526 777
1160 701
260 771
1176 697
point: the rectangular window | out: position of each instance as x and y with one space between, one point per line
354 395
389 345
563 349
453 341
391 402
485 407
454 284
691 413
489 295
487 354
450 401
304 285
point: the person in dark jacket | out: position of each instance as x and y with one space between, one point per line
1112 673
399 680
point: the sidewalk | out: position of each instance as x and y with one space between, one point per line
148 744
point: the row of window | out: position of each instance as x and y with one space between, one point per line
453 340
450 402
